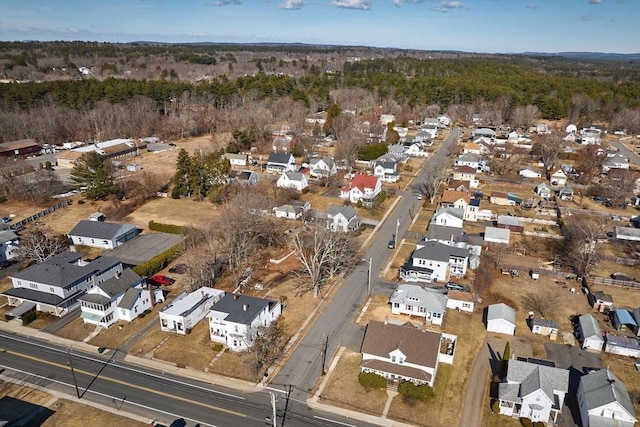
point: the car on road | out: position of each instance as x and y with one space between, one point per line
419 196
391 244
453 286
161 279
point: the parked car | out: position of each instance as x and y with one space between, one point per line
391 244
6 220
452 286
161 279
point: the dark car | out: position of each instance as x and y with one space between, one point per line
391 244
161 279
452 286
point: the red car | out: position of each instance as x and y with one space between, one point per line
162 280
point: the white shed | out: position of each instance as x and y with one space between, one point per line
501 319
589 333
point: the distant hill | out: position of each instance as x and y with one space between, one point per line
601 56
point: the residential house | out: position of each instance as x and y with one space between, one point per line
623 320
590 135
187 309
363 188
236 319
589 333
444 121
457 185
626 233
601 301
244 177
317 118
415 300
19 149
533 390
322 168
514 199
435 261
513 223
473 210
450 217
480 132
501 199
461 200
386 171
446 235
469 159
295 209
466 173
473 148
603 400
9 244
102 234
529 173
416 149
122 297
55 285
402 352
237 159
294 180
546 327
459 300
280 162
558 178
501 319
342 218
497 235
565 193
615 162
621 345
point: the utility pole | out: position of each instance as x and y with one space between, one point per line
273 407
369 279
397 236
324 354
73 373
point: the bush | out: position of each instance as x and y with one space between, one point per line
30 317
538 424
166 228
81 202
411 391
371 380
526 422
158 262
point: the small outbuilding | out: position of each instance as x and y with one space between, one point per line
501 319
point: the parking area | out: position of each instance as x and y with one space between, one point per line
567 356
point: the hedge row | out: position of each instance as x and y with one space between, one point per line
409 390
166 228
371 380
158 262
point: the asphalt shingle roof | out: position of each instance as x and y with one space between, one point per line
235 308
433 300
603 387
501 311
532 377
437 251
100 229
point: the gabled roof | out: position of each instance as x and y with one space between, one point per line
496 233
239 308
100 229
460 296
559 173
437 251
16 145
7 236
433 300
450 196
602 388
362 181
327 160
456 183
590 327
130 296
501 311
449 210
624 317
294 176
533 377
547 323
469 157
280 158
465 169
347 211
499 194
442 232
510 220
119 283
420 347
543 186
616 160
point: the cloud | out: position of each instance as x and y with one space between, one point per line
587 18
292 4
532 6
352 4
447 5
595 1
226 2
400 3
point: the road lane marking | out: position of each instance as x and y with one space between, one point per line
333 421
149 390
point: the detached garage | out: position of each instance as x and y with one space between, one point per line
501 319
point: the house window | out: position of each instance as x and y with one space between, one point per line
401 360
179 326
52 290
33 285
396 305
409 308
466 305
422 310
108 318
393 359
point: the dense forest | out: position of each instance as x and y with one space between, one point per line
59 91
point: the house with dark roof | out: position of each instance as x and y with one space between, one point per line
187 309
404 352
342 218
621 345
294 180
512 223
415 300
386 171
280 162
55 285
604 401
9 245
244 177
236 319
434 261
324 167
102 234
20 148
122 297
533 390
546 327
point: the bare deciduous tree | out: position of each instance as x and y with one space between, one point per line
546 148
38 245
268 346
581 249
588 163
543 303
429 187
619 186
525 116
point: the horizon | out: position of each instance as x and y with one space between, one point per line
470 26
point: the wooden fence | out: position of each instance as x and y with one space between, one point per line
19 225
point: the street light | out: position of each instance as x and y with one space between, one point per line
397 236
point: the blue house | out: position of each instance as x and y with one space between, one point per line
622 319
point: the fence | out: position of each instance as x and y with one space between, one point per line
17 226
622 261
555 273
613 282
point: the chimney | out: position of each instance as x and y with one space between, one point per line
117 274
245 307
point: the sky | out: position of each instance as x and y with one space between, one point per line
488 26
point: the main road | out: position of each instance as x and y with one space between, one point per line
336 322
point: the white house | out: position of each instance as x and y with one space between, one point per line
546 327
559 178
237 159
295 209
533 390
450 217
621 345
294 180
280 162
529 173
123 297
55 285
416 300
386 171
184 312
604 400
501 319
473 148
626 233
244 177
236 319
469 159
9 244
466 173
497 235
342 218
589 333
543 190
444 121
416 149
459 300
362 188
401 352
615 162
434 261
324 167
102 234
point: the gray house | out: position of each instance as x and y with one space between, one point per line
342 218
604 401
102 234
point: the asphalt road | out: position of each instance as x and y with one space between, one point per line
145 392
336 322
626 152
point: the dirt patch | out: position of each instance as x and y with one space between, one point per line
76 330
182 212
400 256
193 350
234 365
43 320
72 414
